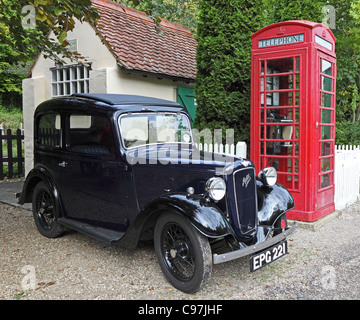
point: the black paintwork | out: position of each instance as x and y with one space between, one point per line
125 192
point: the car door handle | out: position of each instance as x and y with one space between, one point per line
62 164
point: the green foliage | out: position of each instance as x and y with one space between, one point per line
26 30
347 33
181 11
11 117
284 10
224 63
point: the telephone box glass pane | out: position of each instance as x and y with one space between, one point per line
326 84
279 132
325 181
280 66
279 99
326 133
325 149
279 82
326 116
283 115
326 67
297 64
326 100
325 165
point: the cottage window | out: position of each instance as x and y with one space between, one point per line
70 79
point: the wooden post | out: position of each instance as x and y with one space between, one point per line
10 154
1 156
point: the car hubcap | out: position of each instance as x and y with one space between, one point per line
177 252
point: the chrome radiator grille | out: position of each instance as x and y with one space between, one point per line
244 181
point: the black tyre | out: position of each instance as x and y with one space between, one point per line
183 253
45 211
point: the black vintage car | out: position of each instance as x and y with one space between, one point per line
124 168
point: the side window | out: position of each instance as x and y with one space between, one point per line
49 131
90 134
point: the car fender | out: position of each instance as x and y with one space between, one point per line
273 202
35 176
204 215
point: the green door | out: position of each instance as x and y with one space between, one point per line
186 97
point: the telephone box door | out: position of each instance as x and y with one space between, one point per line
325 127
280 101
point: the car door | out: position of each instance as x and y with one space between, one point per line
93 185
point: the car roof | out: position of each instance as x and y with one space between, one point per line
125 99
114 102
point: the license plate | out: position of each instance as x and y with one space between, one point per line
267 256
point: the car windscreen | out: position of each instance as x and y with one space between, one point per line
154 128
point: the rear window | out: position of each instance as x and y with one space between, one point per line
49 131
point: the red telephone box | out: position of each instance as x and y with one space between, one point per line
293 112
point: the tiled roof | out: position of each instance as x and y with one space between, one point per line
132 37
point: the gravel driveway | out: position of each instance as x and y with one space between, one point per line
322 264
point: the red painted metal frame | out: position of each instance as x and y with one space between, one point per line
305 154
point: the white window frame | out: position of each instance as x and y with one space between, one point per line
66 80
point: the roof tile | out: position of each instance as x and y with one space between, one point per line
137 46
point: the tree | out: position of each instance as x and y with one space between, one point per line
284 10
181 11
25 25
222 84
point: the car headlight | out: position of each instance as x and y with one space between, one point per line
268 176
216 188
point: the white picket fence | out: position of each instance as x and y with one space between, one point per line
347 176
237 151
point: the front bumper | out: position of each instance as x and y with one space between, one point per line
225 257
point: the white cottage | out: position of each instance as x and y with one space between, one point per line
135 60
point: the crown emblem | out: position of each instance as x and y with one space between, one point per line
281 30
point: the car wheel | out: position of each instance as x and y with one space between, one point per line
183 253
45 211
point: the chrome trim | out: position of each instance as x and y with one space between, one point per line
225 257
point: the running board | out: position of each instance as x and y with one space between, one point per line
105 235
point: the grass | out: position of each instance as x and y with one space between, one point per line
11 117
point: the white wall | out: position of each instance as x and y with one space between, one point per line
33 94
